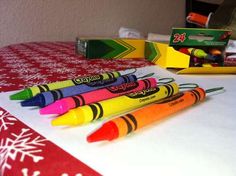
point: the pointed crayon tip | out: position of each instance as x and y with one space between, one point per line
58 107
71 118
35 101
108 131
22 95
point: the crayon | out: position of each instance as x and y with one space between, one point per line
196 62
111 107
63 105
201 54
46 98
124 125
207 65
215 52
184 50
32 91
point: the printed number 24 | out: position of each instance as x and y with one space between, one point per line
179 37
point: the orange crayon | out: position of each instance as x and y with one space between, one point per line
215 52
123 125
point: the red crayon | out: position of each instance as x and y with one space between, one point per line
184 50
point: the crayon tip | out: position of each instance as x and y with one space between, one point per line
22 95
69 119
38 100
108 131
58 107
184 50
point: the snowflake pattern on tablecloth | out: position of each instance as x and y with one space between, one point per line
4 84
22 71
50 62
24 152
36 76
6 120
22 144
25 172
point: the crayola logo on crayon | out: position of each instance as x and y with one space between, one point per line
123 87
87 79
143 93
101 82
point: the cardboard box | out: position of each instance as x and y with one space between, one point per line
165 56
169 56
110 48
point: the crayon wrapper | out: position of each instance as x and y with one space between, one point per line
114 91
157 111
72 82
115 106
52 96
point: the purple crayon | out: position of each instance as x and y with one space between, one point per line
63 105
46 98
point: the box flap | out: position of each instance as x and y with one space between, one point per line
208 70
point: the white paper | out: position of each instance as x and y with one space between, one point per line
198 141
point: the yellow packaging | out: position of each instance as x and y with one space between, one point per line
168 56
110 48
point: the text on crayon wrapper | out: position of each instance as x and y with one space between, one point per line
146 99
87 79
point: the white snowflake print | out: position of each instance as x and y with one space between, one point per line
43 60
25 172
6 119
68 76
19 65
24 70
21 145
14 60
4 76
72 60
52 65
8 54
62 70
5 84
64 174
28 77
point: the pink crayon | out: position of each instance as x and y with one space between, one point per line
63 105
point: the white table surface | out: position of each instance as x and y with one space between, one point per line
200 141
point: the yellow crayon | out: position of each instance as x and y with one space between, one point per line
207 65
115 106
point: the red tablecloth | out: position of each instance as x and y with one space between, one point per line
23 151
28 64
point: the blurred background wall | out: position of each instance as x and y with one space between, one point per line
64 20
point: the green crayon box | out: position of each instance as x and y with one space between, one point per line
110 48
192 50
